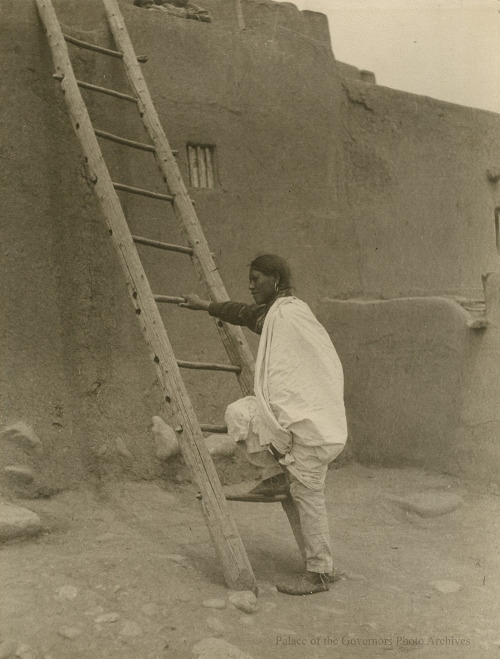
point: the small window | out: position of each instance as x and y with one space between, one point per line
497 228
201 159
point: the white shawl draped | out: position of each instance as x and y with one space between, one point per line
299 383
299 390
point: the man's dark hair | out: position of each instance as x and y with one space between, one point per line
274 265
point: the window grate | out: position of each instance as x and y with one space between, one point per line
201 159
497 228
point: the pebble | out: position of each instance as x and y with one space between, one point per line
131 630
214 604
24 651
69 632
23 434
216 626
122 449
167 444
22 475
150 609
218 648
67 592
183 597
176 558
446 586
370 625
353 576
101 451
430 504
107 617
105 537
266 587
220 445
244 600
338 612
17 522
246 620
95 611
7 648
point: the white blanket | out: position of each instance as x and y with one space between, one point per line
299 394
299 383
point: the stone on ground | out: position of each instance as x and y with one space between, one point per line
244 600
220 445
67 592
214 604
17 522
22 475
150 609
69 632
430 504
167 444
216 625
123 450
217 648
7 649
176 558
131 629
22 434
445 586
107 617
24 651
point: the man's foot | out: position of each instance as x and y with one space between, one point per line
307 584
269 490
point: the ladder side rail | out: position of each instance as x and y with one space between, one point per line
221 526
232 337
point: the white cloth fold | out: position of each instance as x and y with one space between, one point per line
299 393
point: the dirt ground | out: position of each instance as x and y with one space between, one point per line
121 571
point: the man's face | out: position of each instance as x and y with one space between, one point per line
262 287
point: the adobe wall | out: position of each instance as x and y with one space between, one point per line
369 192
421 387
421 200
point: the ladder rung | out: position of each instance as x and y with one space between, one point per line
230 368
99 49
160 245
208 427
102 90
96 88
144 193
169 299
123 140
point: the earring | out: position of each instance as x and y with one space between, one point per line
276 286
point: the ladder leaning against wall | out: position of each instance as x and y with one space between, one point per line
235 564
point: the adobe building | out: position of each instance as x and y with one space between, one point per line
386 204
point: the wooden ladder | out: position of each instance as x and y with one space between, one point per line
235 564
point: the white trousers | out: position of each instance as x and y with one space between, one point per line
309 504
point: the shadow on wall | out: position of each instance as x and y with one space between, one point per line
421 386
